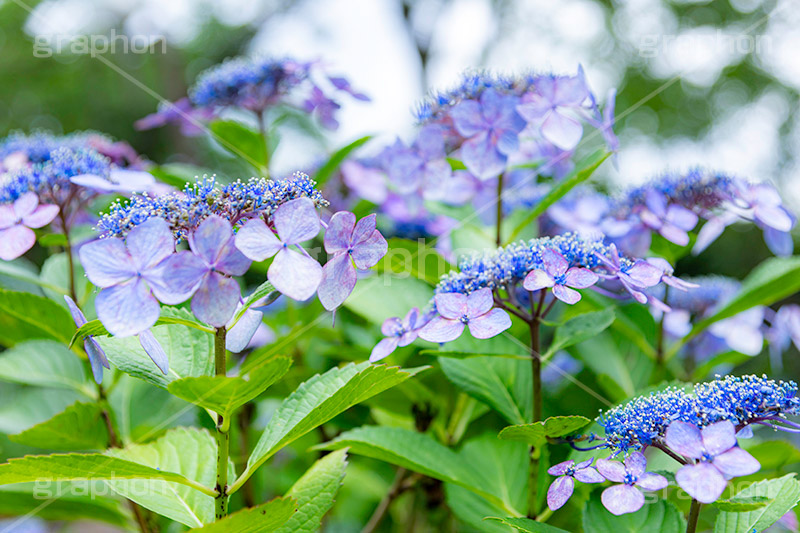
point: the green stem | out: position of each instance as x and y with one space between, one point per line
534 326
70 260
694 516
499 235
222 434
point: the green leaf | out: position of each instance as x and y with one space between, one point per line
25 406
17 271
783 494
414 451
263 290
527 525
318 400
178 174
456 164
79 427
380 297
771 281
501 383
337 158
189 351
44 501
242 142
537 433
502 467
472 509
186 453
315 492
25 316
741 505
661 516
583 171
222 394
45 363
264 518
55 280
415 258
579 329
774 454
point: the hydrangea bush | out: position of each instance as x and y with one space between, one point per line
212 353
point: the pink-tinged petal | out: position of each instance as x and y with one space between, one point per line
25 204
256 241
94 182
712 229
611 470
340 232
479 302
127 309
773 216
674 234
383 349
132 180
107 262
566 295
239 336
650 219
216 299
97 358
368 252
364 229
150 243
338 281
684 439
645 274
451 305
231 261
467 118
154 350
442 329
636 463
15 241
294 274
589 475
492 323
559 492
178 277
681 217
561 468
701 481
651 481
210 237
77 315
41 216
537 280
7 216
622 499
296 221
719 437
554 263
580 278
390 325
736 462
408 337
565 132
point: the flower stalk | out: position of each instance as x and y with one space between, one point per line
222 433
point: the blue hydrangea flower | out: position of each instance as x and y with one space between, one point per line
625 498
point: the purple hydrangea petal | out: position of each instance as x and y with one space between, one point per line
131 180
674 234
736 462
701 481
94 182
97 358
296 221
645 274
77 315
563 131
584 464
719 437
239 336
107 262
481 157
339 232
7 216
685 439
149 243
561 468
479 302
589 475
490 324
383 349
127 308
178 277
537 280
390 325
442 329
580 278
15 241
681 217
554 263
41 216
338 281
231 261
508 142
368 252
467 118
154 349
364 230
611 470
256 241
656 203
622 499
566 295
215 300
773 216
25 204
559 492
780 243
636 463
210 238
294 274
451 305
651 481
710 231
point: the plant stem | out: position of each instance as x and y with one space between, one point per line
536 358
395 490
222 434
694 515
499 236
70 260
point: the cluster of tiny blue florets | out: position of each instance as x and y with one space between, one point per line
184 210
742 400
50 179
38 145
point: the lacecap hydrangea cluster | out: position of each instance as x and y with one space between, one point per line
20 149
741 400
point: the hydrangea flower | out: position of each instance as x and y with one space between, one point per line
626 498
561 489
552 107
398 333
458 310
97 357
424 165
349 243
16 221
130 273
717 457
634 276
560 277
671 221
293 273
205 271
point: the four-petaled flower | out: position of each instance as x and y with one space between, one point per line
398 333
625 498
423 165
634 277
349 243
491 128
561 489
205 271
553 107
560 277
717 456
671 221
458 310
293 273
16 221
